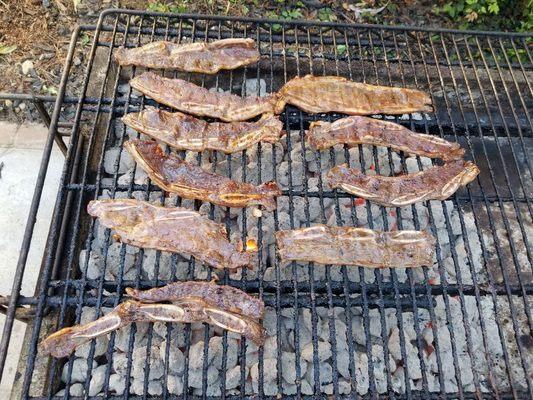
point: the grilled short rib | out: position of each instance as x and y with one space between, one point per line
188 308
356 246
185 132
173 229
226 298
192 99
320 94
357 130
435 183
172 174
208 58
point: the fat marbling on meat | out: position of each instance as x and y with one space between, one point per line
192 99
435 183
321 94
175 175
208 58
173 229
186 309
357 130
185 132
337 245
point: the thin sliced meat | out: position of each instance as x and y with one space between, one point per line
225 297
436 183
185 132
363 130
172 174
356 246
64 342
173 229
208 58
192 99
321 94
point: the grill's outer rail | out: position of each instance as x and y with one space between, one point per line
482 93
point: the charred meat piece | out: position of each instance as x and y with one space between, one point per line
187 97
184 132
356 246
436 183
208 58
226 298
189 181
173 229
319 94
363 130
189 310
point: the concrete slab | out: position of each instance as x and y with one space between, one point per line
21 160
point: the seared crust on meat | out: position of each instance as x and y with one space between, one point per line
225 297
320 94
356 246
208 58
185 132
192 99
357 130
186 310
173 229
173 174
436 183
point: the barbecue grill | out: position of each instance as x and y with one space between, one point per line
458 329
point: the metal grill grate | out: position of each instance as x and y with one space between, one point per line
460 329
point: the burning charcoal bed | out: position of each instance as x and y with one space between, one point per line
458 328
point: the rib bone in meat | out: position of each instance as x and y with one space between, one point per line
184 132
173 229
189 181
318 94
436 183
187 310
363 130
187 97
356 246
206 58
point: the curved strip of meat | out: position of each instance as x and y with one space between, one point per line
321 94
192 99
208 58
185 132
357 130
334 245
172 174
435 183
63 342
173 229
224 297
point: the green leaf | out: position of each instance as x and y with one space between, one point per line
494 8
85 39
341 49
7 49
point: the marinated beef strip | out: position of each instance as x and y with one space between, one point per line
436 183
320 94
226 298
208 58
356 246
357 130
172 229
172 174
187 97
184 132
64 342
